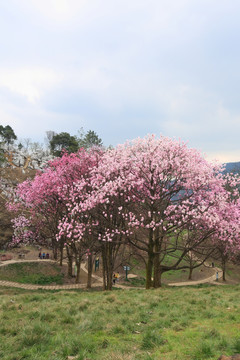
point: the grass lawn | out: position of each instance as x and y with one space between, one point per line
32 273
138 267
194 323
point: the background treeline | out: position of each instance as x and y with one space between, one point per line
54 142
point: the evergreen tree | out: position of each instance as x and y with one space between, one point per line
63 141
7 134
89 139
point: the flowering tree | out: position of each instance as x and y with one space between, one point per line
163 188
227 237
76 227
21 231
150 192
45 198
92 222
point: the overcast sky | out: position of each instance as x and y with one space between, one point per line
123 69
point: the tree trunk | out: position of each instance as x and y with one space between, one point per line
90 265
78 265
157 272
190 269
149 266
109 266
61 255
104 269
160 276
70 261
190 273
108 258
55 251
156 262
224 269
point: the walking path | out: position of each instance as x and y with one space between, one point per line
211 279
45 287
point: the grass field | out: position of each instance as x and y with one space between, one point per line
137 267
170 323
32 273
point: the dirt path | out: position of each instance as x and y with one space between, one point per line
46 287
211 279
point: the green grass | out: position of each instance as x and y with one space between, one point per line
32 273
136 282
170 323
138 267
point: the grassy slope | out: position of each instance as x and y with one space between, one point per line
183 323
137 267
32 273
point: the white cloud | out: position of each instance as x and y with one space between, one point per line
90 78
55 10
223 156
164 66
28 82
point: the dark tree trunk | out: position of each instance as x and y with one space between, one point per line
149 265
104 269
55 252
149 268
70 261
90 265
190 269
78 265
109 266
190 273
61 255
157 272
224 269
156 262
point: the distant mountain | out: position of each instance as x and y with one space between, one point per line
233 167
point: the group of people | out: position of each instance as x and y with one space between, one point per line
115 277
43 255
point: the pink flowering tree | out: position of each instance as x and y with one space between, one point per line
45 199
153 193
159 188
227 237
93 223
38 200
77 225
22 232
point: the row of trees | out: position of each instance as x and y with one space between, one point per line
55 142
71 144
20 157
153 195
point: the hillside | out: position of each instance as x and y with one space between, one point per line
184 323
232 167
18 166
